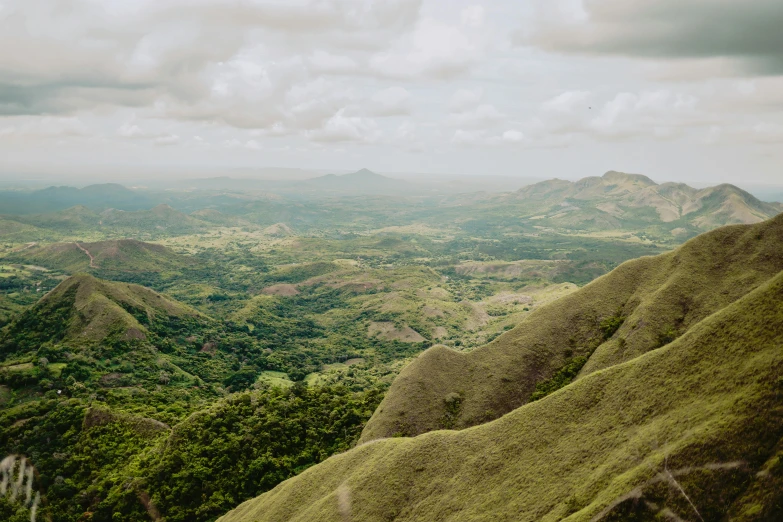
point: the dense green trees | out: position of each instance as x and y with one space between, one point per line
92 459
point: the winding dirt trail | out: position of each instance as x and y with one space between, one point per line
92 259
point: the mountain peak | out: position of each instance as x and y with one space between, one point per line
614 176
365 173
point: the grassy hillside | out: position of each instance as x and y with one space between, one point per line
12 231
121 255
638 307
83 309
688 431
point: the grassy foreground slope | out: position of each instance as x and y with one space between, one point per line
689 431
640 306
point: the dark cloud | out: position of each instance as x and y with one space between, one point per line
747 32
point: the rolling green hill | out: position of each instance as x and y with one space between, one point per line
83 309
159 218
675 414
11 230
122 255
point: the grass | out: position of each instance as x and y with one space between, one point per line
655 295
23 367
275 379
703 410
123 255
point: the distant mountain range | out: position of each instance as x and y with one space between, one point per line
96 197
617 200
362 182
614 201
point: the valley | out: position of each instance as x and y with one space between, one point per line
171 354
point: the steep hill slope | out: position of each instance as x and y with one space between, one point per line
123 255
83 309
638 307
619 200
690 431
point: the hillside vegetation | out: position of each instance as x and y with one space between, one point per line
119 255
638 307
681 421
85 309
248 332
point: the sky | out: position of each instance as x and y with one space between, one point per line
679 90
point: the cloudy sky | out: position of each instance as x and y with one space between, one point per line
677 89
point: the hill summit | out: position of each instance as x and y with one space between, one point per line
363 181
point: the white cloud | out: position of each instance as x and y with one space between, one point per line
661 111
169 139
513 136
484 138
43 127
761 133
342 128
464 99
472 16
252 145
765 132
485 115
434 50
130 130
324 62
567 102
468 137
392 101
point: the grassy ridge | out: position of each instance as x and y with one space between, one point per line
701 415
659 298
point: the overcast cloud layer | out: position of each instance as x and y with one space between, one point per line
677 89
